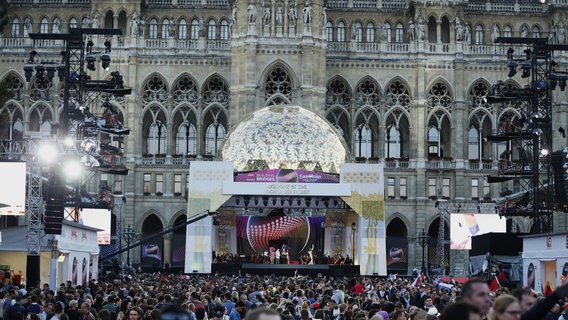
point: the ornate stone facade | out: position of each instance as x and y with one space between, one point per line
403 81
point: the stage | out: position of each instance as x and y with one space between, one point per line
286 269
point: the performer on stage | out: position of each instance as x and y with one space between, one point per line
272 255
285 257
311 254
277 256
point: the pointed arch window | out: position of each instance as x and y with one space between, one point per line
15 28
186 138
153 31
44 26
182 29
278 88
214 137
393 142
507 31
211 30
329 31
536 32
157 133
479 34
73 23
341 31
165 29
155 90
386 32
194 29
433 142
473 145
367 94
399 33
364 141
370 32
224 30
216 92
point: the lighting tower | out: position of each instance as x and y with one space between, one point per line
528 137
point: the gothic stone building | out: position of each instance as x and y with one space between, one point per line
403 81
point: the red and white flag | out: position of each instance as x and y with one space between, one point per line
494 284
418 280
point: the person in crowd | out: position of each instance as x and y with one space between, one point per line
506 307
526 299
476 293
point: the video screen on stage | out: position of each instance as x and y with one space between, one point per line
299 235
13 188
96 218
464 226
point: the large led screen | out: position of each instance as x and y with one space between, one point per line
13 188
464 226
96 218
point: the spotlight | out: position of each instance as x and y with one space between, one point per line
562 132
265 201
28 72
90 45
33 54
528 53
108 45
512 65
299 201
526 67
50 72
273 201
544 152
308 201
105 61
91 62
63 56
256 201
61 72
510 54
40 71
237 200
552 83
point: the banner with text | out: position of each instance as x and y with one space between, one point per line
287 176
287 189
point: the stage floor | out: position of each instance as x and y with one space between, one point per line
286 269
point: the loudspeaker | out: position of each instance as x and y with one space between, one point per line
559 175
32 272
54 208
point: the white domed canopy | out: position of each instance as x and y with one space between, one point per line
284 137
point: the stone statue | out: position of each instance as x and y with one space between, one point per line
134 27
324 15
552 36
27 27
411 31
561 33
142 24
266 15
353 31
233 19
495 32
467 33
384 32
308 12
292 16
524 32
459 29
251 12
201 27
56 25
420 29
279 15
95 23
172 28
86 22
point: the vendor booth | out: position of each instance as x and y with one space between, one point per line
545 259
72 256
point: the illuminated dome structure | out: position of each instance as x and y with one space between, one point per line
284 137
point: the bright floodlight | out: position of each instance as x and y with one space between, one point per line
69 142
47 153
73 169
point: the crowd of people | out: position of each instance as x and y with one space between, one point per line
159 296
267 258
